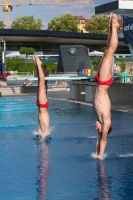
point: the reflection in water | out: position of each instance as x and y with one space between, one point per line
103 184
43 169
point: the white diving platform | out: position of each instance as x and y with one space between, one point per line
54 78
120 7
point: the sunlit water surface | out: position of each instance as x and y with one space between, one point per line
62 168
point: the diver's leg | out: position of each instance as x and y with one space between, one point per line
41 94
105 66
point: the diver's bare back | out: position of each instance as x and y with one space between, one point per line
102 103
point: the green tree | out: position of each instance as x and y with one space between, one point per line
14 64
27 51
2 25
103 49
95 64
97 24
121 64
65 22
21 65
27 23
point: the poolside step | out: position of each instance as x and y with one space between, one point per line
17 90
3 82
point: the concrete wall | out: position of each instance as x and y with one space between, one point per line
30 89
118 92
90 92
77 90
10 90
121 92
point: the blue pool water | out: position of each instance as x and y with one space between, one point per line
62 168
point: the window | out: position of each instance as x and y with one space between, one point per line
81 21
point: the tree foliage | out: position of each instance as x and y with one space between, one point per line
27 51
65 22
15 64
121 64
95 64
97 24
2 25
21 65
103 49
27 23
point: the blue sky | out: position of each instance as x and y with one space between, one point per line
47 12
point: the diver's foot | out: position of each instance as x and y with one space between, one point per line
36 60
115 21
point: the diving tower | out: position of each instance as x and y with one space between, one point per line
119 7
71 78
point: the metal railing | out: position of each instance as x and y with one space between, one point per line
14 82
20 74
63 74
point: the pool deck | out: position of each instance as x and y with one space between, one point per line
62 93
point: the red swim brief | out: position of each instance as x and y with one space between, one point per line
108 83
46 105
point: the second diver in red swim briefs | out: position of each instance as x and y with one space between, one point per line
42 102
104 80
108 82
46 105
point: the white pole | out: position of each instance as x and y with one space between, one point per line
3 59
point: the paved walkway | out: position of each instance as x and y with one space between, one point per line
59 93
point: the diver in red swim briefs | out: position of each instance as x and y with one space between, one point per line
42 102
104 80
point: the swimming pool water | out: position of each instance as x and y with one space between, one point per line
62 168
